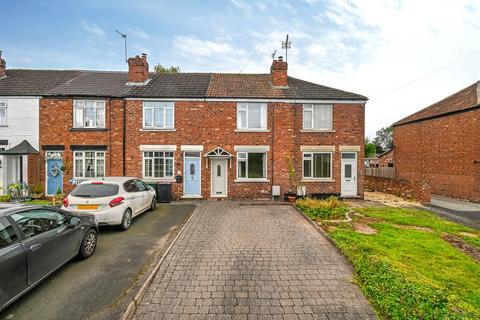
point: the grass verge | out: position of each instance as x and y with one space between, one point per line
407 270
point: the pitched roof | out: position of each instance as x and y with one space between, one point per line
94 84
22 148
173 85
225 85
21 82
462 100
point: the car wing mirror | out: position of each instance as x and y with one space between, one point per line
74 221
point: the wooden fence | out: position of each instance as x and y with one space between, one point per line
384 172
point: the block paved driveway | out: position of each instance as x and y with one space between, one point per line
237 261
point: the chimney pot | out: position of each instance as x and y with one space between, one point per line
280 58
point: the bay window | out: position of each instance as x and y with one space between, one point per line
317 165
89 114
251 116
317 117
158 115
158 164
89 164
251 165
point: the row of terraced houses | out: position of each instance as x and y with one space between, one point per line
208 134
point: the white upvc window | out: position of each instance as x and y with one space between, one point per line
158 164
3 113
251 165
88 164
317 165
158 115
317 117
251 116
89 114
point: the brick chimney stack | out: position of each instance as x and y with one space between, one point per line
3 66
138 69
278 70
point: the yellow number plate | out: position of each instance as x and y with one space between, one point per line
87 207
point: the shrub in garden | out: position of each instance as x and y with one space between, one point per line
328 208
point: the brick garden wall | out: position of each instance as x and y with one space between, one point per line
442 152
412 190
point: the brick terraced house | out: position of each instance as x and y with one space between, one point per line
441 145
208 134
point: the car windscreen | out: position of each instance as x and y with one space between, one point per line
91 190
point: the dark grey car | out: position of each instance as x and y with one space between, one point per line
35 241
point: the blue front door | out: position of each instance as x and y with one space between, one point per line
54 176
192 176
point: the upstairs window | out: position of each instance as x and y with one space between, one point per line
317 117
89 114
89 164
252 116
3 113
158 115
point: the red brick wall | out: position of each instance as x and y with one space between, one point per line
213 124
442 152
385 159
56 122
412 190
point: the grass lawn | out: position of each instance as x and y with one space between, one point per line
406 269
38 202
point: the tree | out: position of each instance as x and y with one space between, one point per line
161 69
370 148
384 139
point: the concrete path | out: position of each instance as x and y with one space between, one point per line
463 212
236 261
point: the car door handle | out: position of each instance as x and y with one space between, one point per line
35 247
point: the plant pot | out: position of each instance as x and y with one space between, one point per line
291 199
37 196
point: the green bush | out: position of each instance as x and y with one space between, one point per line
5 198
329 208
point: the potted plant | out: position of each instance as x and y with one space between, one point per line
295 181
37 191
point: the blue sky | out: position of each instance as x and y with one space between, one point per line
371 47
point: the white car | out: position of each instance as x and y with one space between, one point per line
112 200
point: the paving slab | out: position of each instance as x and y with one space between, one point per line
234 261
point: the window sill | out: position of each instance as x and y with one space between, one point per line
251 180
88 129
316 131
168 180
252 130
317 180
159 130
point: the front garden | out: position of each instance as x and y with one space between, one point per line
28 194
410 263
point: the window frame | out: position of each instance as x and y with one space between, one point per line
311 177
243 107
8 222
163 105
83 158
245 159
83 107
4 107
310 107
152 158
19 228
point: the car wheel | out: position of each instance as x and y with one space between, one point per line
126 220
89 244
154 204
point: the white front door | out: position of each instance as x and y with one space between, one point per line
349 174
219 177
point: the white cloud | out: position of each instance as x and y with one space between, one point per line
192 46
138 33
242 5
92 28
